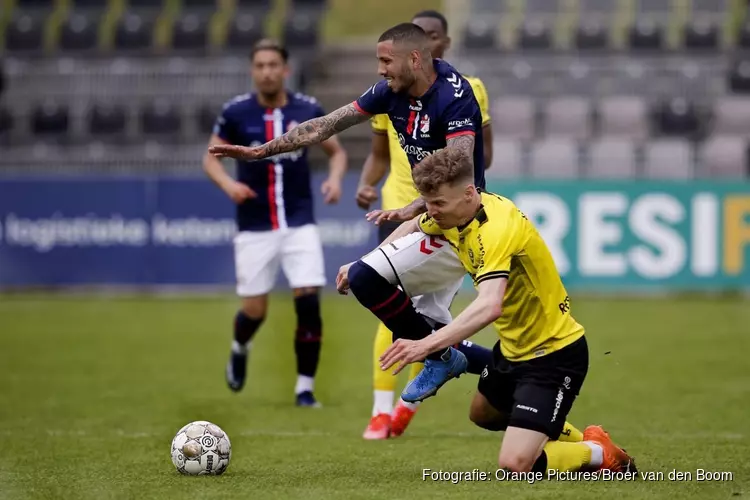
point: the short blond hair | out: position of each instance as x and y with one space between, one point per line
446 166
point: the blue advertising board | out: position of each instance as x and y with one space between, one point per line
152 231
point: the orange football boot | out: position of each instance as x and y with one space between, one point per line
614 458
379 427
400 419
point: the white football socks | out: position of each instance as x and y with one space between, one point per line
411 406
304 383
597 454
382 402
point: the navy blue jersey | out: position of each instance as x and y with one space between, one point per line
448 109
282 182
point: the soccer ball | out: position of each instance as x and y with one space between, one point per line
201 448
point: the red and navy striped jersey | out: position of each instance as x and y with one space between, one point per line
282 182
424 124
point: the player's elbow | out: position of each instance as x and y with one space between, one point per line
493 309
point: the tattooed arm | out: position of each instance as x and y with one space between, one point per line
306 134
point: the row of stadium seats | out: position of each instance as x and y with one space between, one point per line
92 25
598 24
555 157
522 118
718 157
622 116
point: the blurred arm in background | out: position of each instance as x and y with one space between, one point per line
337 164
375 168
213 167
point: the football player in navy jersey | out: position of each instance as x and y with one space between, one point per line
275 221
434 111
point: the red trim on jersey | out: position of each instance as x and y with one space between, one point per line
411 120
360 109
459 134
271 175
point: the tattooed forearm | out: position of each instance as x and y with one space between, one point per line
315 131
464 144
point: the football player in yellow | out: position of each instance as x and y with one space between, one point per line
541 358
398 191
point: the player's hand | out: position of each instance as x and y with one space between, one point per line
342 279
398 215
243 153
331 190
366 196
404 352
240 192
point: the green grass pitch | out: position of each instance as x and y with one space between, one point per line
93 389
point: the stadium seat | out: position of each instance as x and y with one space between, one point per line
554 158
480 35
190 32
24 33
513 117
568 117
79 32
612 158
50 118
106 119
6 121
739 77
668 159
508 159
161 118
534 35
701 34
732 116
244 31
646 34
152 7
743 38
624 117
725 156
133 32
677 117
198 5
300 31
591 35
255 6
596 11
90 5
206 117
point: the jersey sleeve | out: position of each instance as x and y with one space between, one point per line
225 126
480 93
428 226
379 124
460 114
497 245
375 100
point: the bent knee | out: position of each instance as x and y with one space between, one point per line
255 307
515 462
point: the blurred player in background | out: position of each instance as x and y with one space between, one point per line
541 358
399 191
275 213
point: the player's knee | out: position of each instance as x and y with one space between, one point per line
361 276
515 462
255 307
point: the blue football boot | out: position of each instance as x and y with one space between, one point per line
434 374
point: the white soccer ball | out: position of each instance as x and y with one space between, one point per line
201 448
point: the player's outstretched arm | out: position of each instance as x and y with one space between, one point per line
485 309
463 144
305 134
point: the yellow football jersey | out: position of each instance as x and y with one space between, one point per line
500 242
398 190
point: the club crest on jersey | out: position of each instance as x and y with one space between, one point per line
424 124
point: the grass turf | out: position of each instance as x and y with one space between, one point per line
93 390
